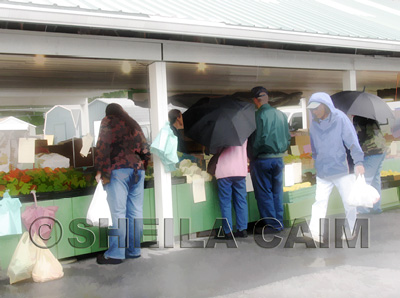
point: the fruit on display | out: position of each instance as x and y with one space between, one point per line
288 159
296 186
389 173
192 171
306 156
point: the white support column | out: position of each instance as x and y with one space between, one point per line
304 112
349 80
85 117
158 117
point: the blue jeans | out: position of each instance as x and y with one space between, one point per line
125 198
373 167
267 178
233 188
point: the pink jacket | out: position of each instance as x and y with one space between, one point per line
232 162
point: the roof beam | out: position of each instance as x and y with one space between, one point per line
86 46
234 55
57 16
26 42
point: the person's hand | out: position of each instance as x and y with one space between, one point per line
359 170
98 176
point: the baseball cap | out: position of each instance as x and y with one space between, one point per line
255 92
313 105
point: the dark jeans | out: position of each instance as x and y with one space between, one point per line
233 189
267 178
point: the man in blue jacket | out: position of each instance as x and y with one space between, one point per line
331 130
266 148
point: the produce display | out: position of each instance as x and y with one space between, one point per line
389 173
44 180
186 168
288 159
306 156
296 186
191 170
149 173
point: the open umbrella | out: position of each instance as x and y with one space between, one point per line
219 122
275 98
36 218
362 104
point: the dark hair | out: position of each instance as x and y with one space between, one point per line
362 121
115 109
173 115
255 92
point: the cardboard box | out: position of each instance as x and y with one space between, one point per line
292 174
307 163
301 141
71 148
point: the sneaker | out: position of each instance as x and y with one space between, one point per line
240 234
102 260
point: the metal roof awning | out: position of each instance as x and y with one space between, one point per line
339 23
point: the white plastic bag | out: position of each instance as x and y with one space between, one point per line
99 207
10 215
47 267
363 194
23 260
51 160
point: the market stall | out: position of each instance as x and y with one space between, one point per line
194 193
187 204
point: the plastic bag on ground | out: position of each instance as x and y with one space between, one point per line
23 260
47 267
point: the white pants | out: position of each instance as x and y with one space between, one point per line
322 193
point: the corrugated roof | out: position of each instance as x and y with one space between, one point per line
12 123
141 115
364 19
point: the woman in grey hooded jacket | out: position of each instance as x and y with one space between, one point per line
330 131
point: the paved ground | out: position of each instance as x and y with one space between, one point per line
222 271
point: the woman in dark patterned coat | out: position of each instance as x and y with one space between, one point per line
121 155
373 144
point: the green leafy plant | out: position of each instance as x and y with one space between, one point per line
44 180
149 173
288 159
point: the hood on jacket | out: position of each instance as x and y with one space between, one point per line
324 98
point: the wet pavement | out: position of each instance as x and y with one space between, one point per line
232 272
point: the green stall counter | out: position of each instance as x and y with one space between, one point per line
202 216
70 208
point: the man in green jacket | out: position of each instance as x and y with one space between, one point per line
266 148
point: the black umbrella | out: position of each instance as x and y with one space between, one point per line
219 122
186 100
362 104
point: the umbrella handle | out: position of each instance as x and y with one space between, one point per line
34 196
